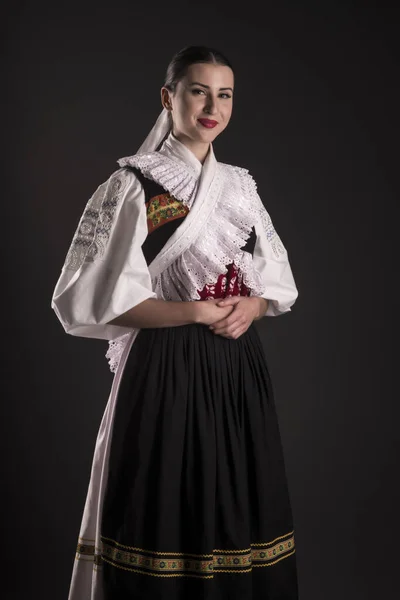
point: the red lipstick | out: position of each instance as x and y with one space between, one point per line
209 123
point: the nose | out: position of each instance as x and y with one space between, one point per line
211 106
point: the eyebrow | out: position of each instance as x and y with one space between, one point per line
208 87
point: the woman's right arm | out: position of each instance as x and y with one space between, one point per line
163 313
104 289
105 273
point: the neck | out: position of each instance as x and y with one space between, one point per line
199 149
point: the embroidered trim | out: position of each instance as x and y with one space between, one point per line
218 244
172 174
183 271
84 549
164 208
179 564
93 232
227 285
170 564
88 552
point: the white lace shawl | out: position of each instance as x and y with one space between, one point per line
105 272
222 232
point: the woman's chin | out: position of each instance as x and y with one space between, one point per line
206 135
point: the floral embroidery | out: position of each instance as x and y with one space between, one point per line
228 284
175 564
164 208
263 554
94 229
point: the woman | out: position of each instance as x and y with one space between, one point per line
174 258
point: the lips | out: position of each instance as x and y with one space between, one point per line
208 123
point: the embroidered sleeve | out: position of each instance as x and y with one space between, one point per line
105 273
93 232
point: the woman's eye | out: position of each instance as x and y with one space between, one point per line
199 91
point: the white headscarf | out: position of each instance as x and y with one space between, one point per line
160 130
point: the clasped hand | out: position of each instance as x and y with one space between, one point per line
244 310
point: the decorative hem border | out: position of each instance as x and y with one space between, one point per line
178 564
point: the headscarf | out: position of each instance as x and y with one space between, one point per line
158 133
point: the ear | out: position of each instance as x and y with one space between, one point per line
166 100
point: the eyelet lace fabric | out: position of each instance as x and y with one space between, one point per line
115 350
172 174
219 238
272 236
218 244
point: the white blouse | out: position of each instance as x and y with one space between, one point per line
105 272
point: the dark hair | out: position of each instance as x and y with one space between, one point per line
188 56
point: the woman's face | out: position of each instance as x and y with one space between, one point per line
201 105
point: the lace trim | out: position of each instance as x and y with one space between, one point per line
93 232
272 236
218 244
115 350
172 174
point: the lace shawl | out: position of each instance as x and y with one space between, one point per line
235 211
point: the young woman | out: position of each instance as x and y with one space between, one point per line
173 260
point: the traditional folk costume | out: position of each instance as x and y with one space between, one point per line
188 494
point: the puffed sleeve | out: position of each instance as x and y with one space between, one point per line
105 272
271 261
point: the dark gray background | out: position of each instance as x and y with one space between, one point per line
315 121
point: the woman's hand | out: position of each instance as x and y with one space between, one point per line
245 311
208 311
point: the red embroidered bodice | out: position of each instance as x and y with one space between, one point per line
230 284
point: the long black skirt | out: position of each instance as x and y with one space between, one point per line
197 505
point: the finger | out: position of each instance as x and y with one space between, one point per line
231 327
234 335
239 331
219 324
226 321
241 321
229 301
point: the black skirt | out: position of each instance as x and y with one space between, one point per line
197 505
